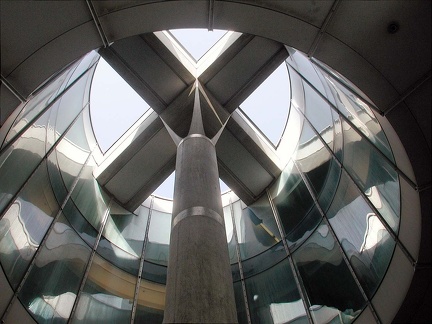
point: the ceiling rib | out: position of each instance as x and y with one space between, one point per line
407 93
99 28
323 28
11 88
211 15
153 76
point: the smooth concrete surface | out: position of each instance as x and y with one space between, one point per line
199 282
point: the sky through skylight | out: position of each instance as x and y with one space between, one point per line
197 41
115 106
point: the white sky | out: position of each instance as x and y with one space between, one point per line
115 106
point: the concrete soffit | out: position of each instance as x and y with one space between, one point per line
158 68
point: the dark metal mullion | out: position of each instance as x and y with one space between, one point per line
46 235
141 266
12 89
342 116
345 257
89 263
246 302
346 86
294 269
376 211
38 115
97 22
53 147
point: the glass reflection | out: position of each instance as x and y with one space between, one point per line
125 229
107 296
273 296
256 231
24 225
321 266
157 249
240 303
371 172
61 263
294 201
150 303
359 113
363 237
39 102
229 229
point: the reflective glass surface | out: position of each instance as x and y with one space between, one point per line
89 198
157 249
125 229
107 296
240 303
254 235
331 289
150 303
301 62
115 255
293 201
229 229
363 237
263 260
39 102
61 262
84 229
359 113
298 234
25 223
371 172
154 272
18 161
313 159
273 296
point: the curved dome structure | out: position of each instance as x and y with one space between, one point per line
331 225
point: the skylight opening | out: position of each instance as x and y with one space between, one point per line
268 106
197 42
114 105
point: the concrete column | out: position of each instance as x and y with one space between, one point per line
199 283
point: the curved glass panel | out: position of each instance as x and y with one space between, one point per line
359 113
229 229
321 265
273 296
240 303
18 161
363 237
61 262
294 201
125 229
157 248
264 260
371 172
90 198
150 303
313 159
117 256
39 102
84 229
253 229
298 234
154 272
107 295
25 223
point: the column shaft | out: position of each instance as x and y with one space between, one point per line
199 282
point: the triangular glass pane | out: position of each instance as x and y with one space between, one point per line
197 41
114 105
268 105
